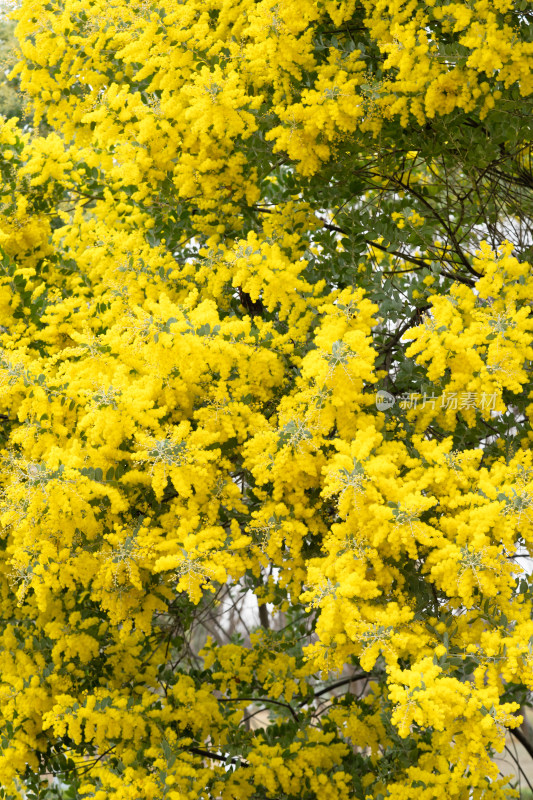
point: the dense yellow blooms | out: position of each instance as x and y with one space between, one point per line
189 401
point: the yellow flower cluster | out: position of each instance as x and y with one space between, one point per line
189 397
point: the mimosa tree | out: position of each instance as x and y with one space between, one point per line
266 331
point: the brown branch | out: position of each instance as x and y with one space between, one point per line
458 249
197 751
519 736
403 328
405 256
259 700
263 616
419 262
336 685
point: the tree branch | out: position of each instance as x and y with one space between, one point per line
519 736
259 700
336 685
197 751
